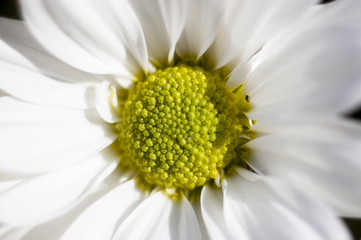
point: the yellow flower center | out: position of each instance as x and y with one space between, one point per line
180 127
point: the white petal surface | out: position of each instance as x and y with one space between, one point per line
203 24
37 139
19 48
25 78
50 195
336 12
13 233
248 24
36 88
101 219
100 46
268 209
55 228
107 103
124 83
4 185
313 73
322 157
188 227
160 218
202 227
163 22
212 212
125 23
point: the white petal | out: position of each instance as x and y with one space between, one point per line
101 218
202 227
129 30
4 185
107 103
37 88
50 195
268 209
13 233
55 228
188 227
313 73
26 80
203 24
98 47
160 218
37 139
322 157
240 74
125 83
163 22
19 48
337 12
249 24
212 212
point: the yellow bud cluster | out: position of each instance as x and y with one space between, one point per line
180 127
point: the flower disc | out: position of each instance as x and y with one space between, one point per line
180 127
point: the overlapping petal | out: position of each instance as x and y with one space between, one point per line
50 195
321 157
249 24
160 216
19 48
110 40
163 22
204 21
311 74
102 218
37 139
213 213
257 207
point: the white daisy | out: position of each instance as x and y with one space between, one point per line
136 120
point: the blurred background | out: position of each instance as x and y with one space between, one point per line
9 9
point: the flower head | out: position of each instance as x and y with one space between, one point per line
179 120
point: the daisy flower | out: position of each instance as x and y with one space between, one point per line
160 119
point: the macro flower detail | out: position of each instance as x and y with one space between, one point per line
180 127
183 119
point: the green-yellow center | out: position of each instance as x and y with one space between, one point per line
180 127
